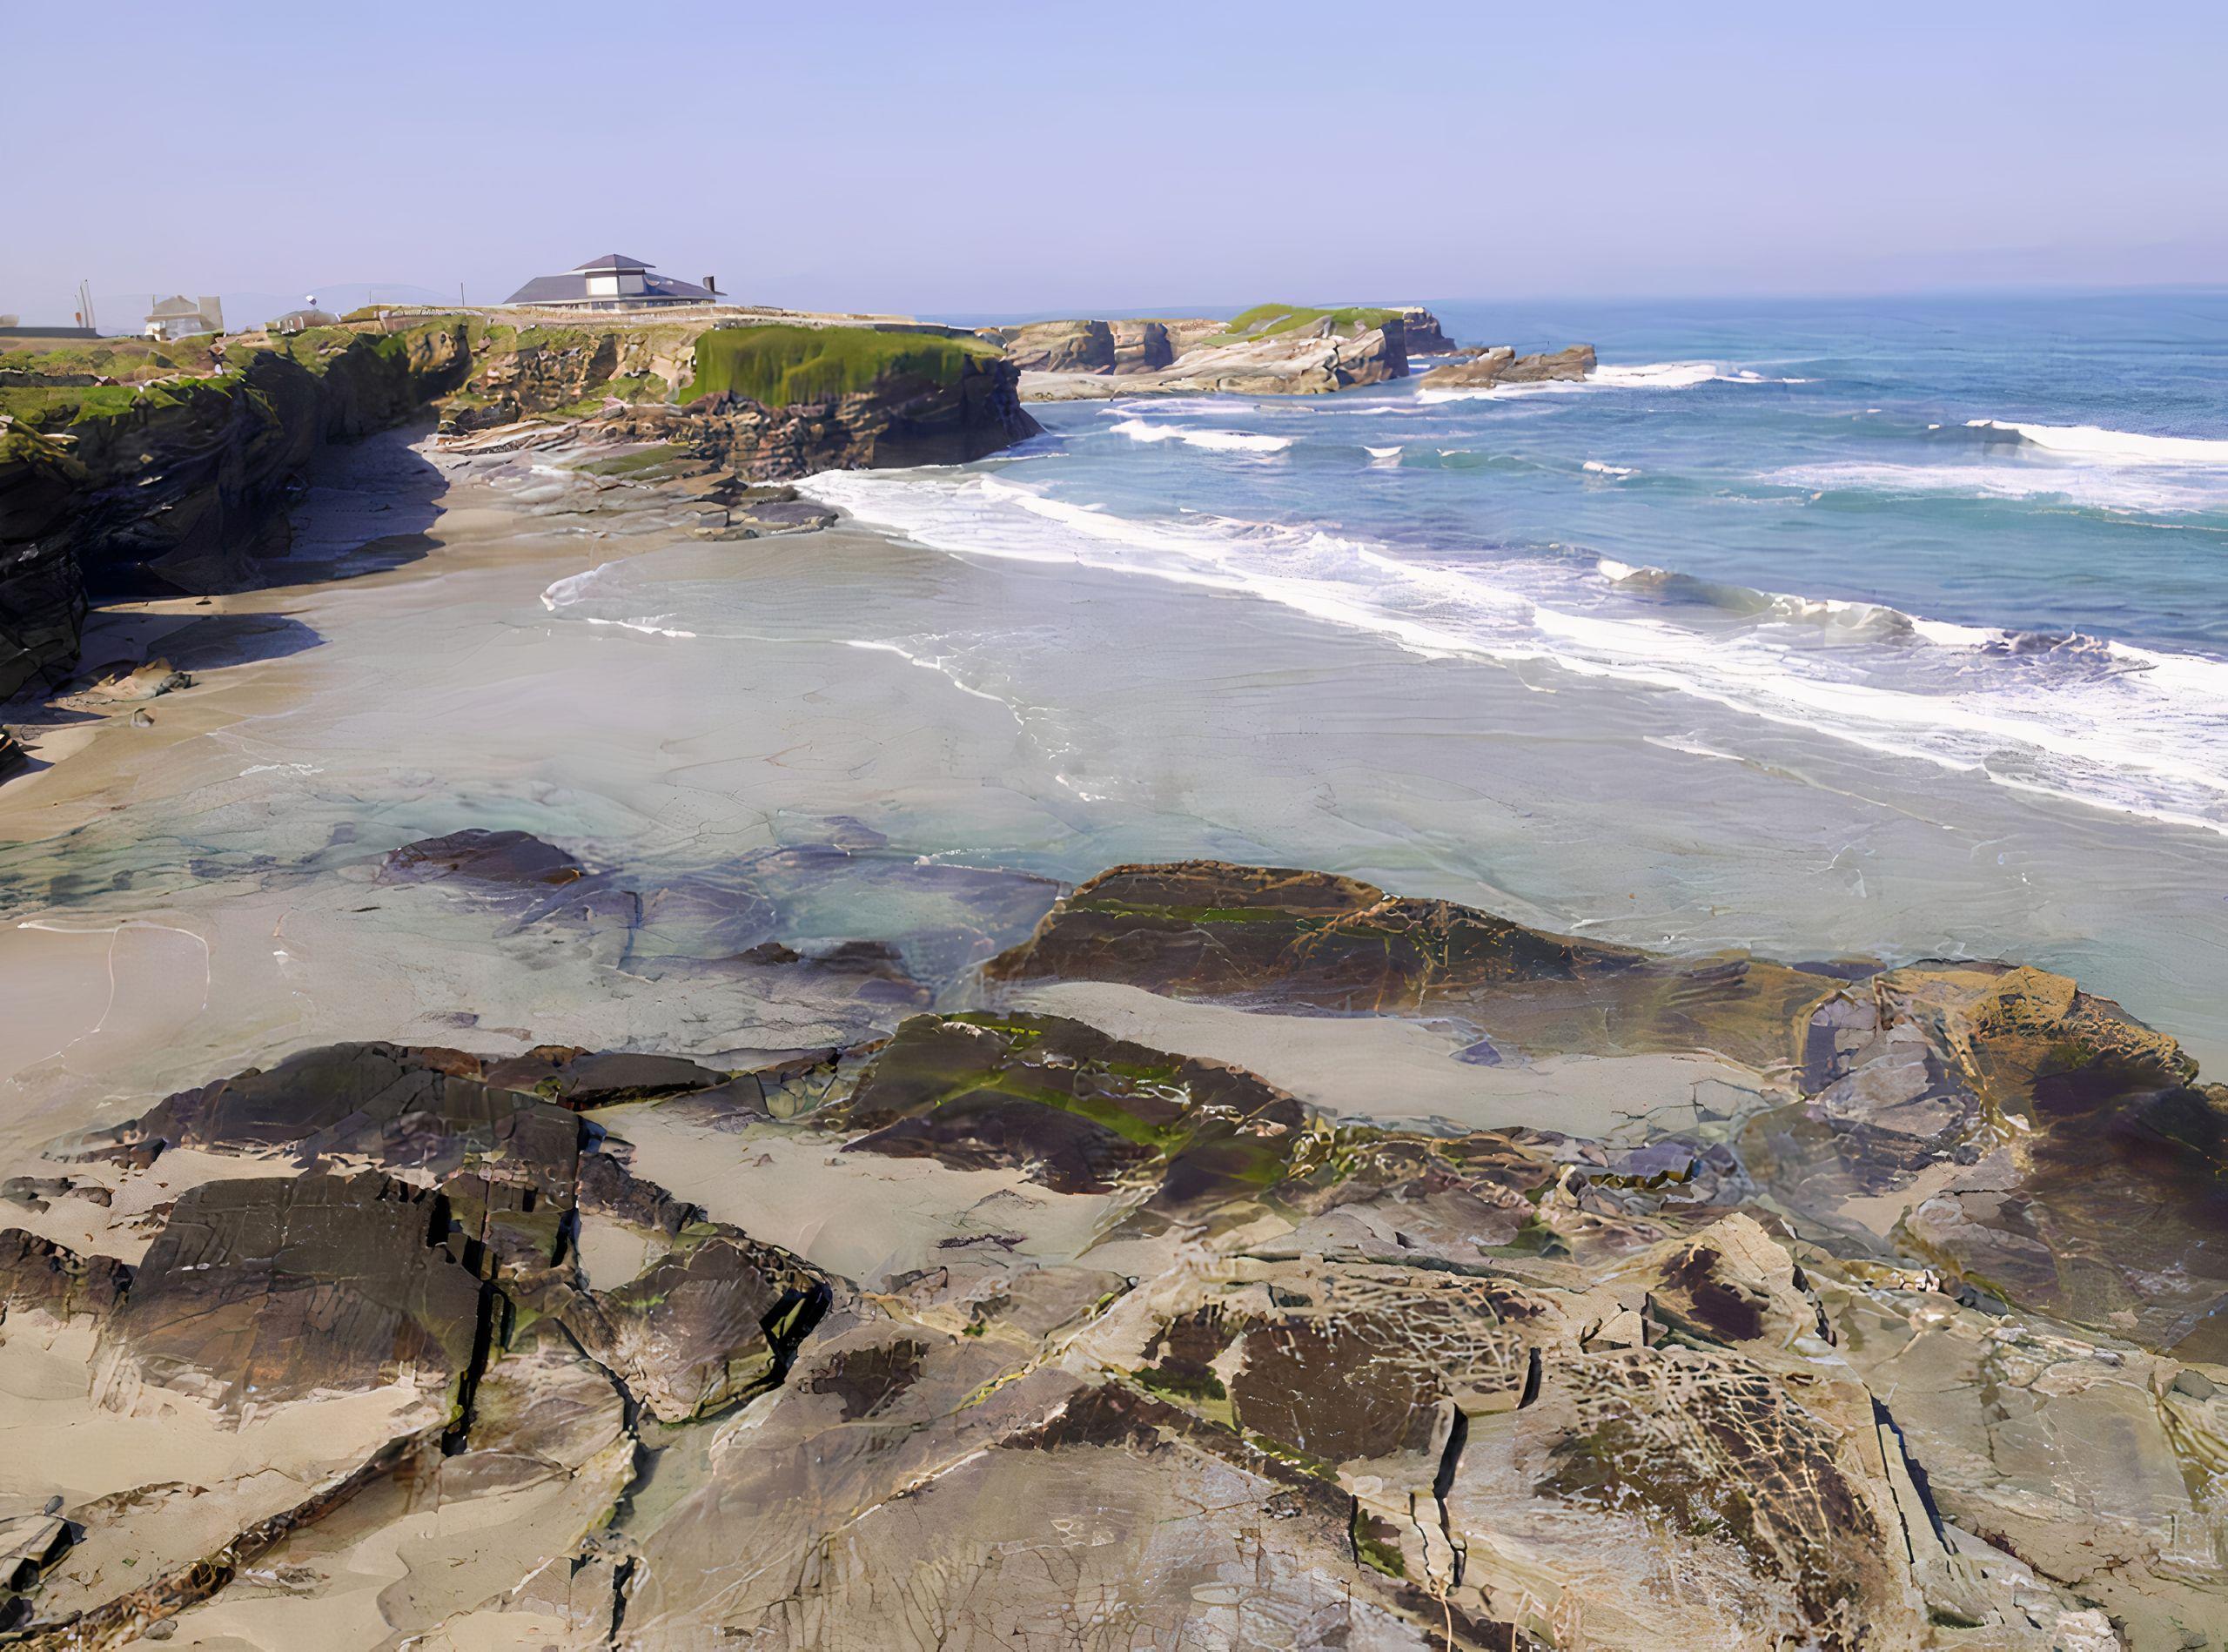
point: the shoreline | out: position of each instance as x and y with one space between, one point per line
256 725
803 1119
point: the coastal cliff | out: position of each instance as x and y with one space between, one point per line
769 403
131 469
178 484
1270 350
1087 346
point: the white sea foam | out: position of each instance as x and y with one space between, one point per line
1666 375
1692 747
1948 633
569 594
2118 446
1633 376
2137 731
1383 455
1599 469
1220 441
2107 487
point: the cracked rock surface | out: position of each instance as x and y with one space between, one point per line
991 1325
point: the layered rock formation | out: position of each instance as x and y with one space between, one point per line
1001 1328
181 485
896 422
1425 336
1503 365
1271 350
1086 346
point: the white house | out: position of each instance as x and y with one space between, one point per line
179 317
612 282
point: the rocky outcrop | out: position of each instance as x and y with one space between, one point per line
1309 361
1313 943
1503 365
479 855
1142 346
1274 350
1425 335
899 421
1127 346
1057 347
185 485
1209 928
43 600
263 1291
1895 1340
1072 1109
528 372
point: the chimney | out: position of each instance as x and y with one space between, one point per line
711 285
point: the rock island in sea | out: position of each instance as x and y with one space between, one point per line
633 1132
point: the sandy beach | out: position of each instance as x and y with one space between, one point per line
865 730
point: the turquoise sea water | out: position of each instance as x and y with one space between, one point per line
1986 534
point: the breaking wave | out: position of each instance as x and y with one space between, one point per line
2102 723
1219 441
1641 375
2118 446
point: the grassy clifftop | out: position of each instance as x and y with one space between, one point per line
152 376
784 366
1267 320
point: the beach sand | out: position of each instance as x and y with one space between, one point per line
853 721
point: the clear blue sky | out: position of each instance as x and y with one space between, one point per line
1041 157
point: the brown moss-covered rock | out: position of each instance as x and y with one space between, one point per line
1078 1110
37 1275
1209 928
263 1291
1270 937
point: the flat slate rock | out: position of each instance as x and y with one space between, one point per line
504 858
267 1290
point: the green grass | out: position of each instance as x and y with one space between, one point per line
1267 320
124 359
782 365
57 407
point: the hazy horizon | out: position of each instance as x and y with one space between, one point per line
989 159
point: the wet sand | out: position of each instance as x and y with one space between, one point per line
186 897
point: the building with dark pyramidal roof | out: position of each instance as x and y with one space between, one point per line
612 282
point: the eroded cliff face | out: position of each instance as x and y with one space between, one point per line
42 591
1086 346
901 421
1272 351
529 373
181 485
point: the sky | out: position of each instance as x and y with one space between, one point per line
994 159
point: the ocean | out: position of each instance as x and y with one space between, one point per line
1989 535
1892 630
